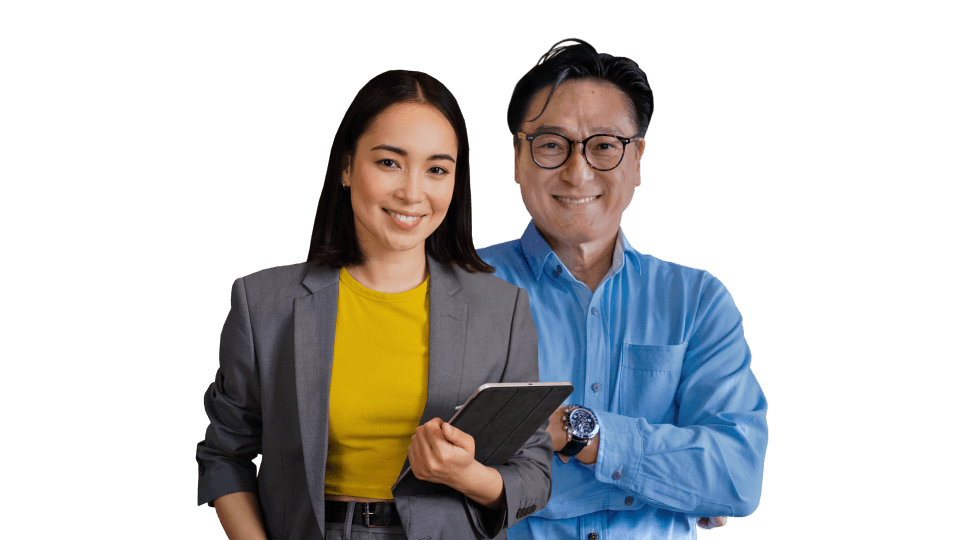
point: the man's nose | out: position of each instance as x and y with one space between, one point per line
576 170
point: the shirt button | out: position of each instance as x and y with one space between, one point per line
596 387
593 536
628 501
594 311
616 475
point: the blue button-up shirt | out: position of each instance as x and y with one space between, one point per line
658 353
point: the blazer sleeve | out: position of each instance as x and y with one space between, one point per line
526 476
232 403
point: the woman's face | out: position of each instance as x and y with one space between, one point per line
401 179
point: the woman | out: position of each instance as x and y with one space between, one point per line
328 367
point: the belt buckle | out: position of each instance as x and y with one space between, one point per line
366 517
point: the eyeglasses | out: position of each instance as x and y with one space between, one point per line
603 152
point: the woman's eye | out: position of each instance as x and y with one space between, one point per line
388 163
437 170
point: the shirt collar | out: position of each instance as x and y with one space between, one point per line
539 255
536 250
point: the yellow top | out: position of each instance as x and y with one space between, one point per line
378 388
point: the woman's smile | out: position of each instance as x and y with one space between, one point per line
404 220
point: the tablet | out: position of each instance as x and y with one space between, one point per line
501 417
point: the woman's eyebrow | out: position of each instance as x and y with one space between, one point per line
441 156
403 152
389 148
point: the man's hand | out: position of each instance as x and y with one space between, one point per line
711 522
558 436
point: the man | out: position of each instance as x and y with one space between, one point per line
655 350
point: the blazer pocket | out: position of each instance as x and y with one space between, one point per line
649 377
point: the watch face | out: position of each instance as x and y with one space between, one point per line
583 423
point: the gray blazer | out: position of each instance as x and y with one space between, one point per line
271 394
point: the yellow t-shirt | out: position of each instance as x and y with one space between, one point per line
378 388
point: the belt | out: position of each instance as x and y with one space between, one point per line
376 514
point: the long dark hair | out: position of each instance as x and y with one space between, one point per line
334 241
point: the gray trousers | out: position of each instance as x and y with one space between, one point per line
349 531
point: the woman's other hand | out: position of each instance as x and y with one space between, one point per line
443 454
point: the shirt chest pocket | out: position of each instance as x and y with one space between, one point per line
648 381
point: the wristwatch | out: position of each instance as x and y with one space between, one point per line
581 426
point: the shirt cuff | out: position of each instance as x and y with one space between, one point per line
620 452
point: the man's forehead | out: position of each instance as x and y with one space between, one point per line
582 106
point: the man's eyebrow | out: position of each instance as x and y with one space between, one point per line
555 129
593 130
403 152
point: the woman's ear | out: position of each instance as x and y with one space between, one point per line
345 173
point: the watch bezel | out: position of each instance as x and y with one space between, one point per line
572 428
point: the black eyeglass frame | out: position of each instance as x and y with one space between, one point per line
583 148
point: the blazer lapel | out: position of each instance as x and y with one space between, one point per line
315 323
314 326
448 329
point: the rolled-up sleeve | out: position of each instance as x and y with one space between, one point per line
232 402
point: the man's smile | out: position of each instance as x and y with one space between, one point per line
569 200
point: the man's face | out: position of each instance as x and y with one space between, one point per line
576 204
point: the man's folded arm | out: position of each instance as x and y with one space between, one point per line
711 462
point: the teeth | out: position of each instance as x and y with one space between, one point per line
403 218
575 201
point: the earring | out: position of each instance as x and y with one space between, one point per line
343 184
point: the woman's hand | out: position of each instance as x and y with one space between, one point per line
443 454
440 452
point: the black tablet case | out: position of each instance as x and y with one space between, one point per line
501 418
